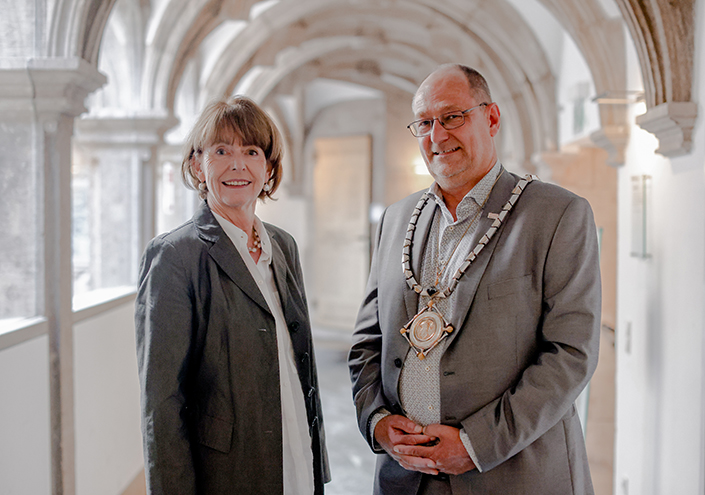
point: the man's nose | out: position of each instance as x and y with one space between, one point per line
438 132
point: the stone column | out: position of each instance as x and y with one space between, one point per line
39 99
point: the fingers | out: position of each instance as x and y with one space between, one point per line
394 429
405 439
411 463
440 431
414 451
404 424
449 454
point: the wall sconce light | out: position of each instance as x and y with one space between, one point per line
641 199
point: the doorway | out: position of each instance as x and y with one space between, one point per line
341 239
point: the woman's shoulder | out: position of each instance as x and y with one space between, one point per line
279 234
183 234
180 243
283 239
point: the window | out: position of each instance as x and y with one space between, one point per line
105 210
20 223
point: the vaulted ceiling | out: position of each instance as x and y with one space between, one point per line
151 49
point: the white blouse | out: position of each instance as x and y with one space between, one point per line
296 448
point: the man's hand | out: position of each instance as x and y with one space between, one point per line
394 432
448 453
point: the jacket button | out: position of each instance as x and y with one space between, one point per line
294 327
397 363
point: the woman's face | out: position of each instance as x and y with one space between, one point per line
234 174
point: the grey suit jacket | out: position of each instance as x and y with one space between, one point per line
208 364
526 342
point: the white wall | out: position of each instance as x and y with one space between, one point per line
106 400
108 435
25 466
659 444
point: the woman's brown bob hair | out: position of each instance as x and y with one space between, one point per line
226 120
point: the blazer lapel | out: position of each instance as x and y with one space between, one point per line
423 228
280 267
467 286
227 256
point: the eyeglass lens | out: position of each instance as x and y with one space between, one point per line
450 120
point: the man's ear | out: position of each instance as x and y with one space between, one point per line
494 118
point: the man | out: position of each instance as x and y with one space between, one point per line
481 321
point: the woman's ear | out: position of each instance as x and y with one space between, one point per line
196 167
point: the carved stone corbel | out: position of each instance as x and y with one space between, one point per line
612 139
672 123
664 34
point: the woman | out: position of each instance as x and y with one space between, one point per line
229 388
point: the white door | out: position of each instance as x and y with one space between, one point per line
341 229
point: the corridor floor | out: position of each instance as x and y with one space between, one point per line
352 461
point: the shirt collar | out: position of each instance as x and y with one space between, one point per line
474 198
239 237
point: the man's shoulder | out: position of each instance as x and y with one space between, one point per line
548 193
406 204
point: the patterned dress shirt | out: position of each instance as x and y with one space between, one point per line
449 243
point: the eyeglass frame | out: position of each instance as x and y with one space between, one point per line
462 113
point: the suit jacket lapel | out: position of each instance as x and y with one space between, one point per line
280 267
423 228
227 256
467 286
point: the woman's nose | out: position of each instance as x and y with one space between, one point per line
237 163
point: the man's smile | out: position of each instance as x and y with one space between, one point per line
445 152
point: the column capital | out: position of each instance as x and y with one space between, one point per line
48 85
137 130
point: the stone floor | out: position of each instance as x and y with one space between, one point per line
352 461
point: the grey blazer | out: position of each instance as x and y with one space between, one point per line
208 364
526 343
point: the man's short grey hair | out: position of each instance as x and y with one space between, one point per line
478 87
478 84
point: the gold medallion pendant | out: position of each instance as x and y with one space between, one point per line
426 330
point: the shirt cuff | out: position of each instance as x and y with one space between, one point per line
376 418
468 446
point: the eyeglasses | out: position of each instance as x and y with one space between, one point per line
450 120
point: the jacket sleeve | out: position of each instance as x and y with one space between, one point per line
364 359
568 341
163 322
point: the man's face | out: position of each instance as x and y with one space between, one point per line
456 158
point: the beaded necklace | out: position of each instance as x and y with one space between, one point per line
257 242
429 327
